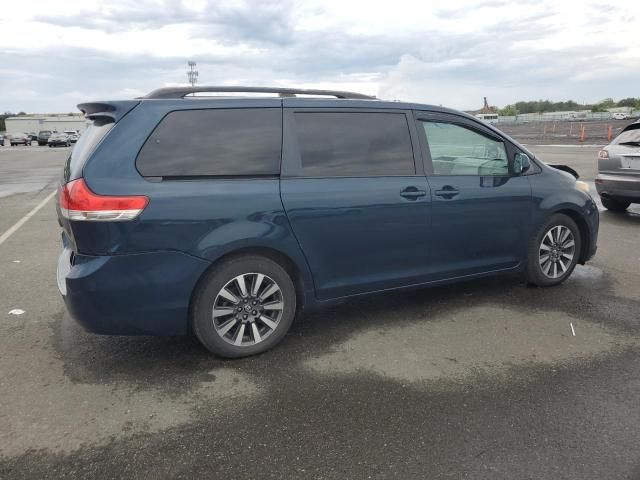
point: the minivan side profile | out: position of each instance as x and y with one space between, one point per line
227 216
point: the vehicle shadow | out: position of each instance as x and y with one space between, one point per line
181 363
630 216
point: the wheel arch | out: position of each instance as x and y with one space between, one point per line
582 228
282 259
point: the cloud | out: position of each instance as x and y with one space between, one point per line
432 53
266 21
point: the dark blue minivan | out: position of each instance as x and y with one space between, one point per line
226 215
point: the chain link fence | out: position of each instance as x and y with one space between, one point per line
564 132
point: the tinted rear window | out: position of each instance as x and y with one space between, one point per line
216 142
83 148
343 144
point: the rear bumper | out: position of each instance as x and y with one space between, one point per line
625 187
136 294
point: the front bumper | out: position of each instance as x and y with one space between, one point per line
624 187
133 294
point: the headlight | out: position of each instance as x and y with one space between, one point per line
584 186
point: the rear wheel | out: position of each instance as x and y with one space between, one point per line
554 252
614 205
244 307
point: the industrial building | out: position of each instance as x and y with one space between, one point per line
58 122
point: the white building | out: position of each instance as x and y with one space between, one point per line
58 122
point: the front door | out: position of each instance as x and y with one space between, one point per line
353 197
480 211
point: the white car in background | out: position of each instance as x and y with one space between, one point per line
619 116
73 135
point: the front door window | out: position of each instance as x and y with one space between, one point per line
457 150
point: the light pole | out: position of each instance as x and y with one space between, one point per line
192 73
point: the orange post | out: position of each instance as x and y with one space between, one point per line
582 134
610 133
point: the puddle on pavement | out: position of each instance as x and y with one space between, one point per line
481 340
55 415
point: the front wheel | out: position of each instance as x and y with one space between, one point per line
614 205
243 307
554 251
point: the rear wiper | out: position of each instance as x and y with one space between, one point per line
637 143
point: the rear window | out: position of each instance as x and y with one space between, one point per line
630 135
339 144
83 148
216 142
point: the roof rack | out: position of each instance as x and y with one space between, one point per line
181 92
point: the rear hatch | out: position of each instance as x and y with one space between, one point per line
75 202
622 155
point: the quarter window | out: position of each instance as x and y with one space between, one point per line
456 150
214 142
341 144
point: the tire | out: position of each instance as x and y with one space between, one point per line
220 335
614 204
546 270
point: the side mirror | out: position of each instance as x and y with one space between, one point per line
521 163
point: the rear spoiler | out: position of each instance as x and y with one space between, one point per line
564 168
108 112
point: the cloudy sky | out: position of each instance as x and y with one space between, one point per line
55 54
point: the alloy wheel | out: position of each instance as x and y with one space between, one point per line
247 309
556 251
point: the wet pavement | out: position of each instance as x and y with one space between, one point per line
482 379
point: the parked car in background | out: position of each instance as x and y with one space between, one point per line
59 140
73 135
43 137
1 140
20 139
491 118
33 136
618 180
226 216
619 116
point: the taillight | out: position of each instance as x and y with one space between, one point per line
78 202
603 155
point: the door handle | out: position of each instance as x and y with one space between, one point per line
447 192
413 193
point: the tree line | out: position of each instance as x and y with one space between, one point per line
541 106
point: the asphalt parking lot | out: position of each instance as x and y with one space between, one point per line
477 380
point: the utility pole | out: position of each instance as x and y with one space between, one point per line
192 73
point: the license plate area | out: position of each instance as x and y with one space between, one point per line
632 163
